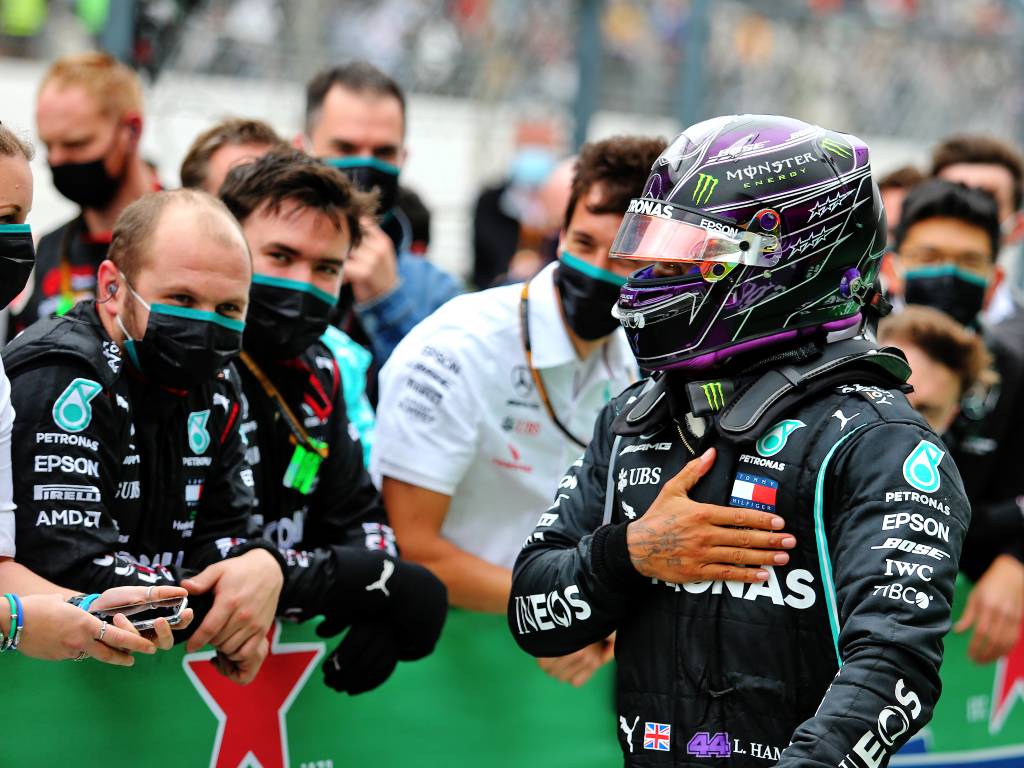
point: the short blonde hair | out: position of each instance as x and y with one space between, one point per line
12 145
115 87
134 229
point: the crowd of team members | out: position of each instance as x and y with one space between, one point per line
193 379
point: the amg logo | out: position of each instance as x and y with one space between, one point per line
88 493
650 208
643 447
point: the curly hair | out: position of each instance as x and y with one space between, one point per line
942 339
292 176
620 165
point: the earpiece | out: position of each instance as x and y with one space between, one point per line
112 289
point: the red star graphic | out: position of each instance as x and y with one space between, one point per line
1009 684
252 717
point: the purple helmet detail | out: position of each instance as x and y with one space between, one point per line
764 229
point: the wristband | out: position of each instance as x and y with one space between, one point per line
21 622
17 621
3 638
83 601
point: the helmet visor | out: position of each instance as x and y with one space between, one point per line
653 230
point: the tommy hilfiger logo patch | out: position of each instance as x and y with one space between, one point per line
754 492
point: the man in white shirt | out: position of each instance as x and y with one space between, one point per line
486 401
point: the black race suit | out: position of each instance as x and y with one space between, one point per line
985 443
117 481
832 662
342 508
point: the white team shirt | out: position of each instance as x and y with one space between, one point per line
6 475
459 413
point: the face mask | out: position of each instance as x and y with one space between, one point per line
958 293
87 184
369 173
285 317
588 294
182 348
17 255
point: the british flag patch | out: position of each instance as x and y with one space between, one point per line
658 736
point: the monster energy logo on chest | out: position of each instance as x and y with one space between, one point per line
705 188
707 397
713 392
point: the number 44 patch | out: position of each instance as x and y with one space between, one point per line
704 744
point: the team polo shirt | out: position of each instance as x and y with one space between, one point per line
6 473
459 412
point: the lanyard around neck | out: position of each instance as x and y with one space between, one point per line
299 433
524 332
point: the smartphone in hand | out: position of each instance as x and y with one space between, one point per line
144 615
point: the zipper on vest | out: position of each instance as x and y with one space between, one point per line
682 436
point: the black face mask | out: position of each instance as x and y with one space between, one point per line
369 173
948 288
588 294
17 255
182 348
285 317
88 184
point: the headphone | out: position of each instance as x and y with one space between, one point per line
111 290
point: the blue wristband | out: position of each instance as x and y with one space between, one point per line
87 601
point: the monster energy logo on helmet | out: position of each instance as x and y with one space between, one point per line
705 188
836 147
713 392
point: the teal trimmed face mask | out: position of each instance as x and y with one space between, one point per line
588 294
182 348
285 317
17 257
369 174
947 287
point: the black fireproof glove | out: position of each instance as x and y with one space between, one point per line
364 659
396 610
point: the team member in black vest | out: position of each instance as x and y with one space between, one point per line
767 400
947 244
315 500
129 465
